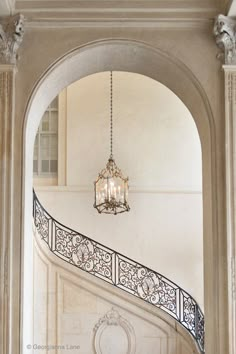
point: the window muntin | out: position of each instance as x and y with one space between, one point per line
45 163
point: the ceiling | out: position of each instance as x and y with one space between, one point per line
125 10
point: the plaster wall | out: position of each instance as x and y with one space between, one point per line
156 143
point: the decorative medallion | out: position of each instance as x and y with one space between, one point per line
125 332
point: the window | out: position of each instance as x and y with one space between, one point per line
46 143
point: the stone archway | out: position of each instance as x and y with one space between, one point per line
124 55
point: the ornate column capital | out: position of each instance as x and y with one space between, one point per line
225 33
11 36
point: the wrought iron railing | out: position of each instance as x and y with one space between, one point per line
119 270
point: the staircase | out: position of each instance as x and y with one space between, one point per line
120 271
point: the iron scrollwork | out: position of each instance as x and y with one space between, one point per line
41 220
147 285
126 274
83 252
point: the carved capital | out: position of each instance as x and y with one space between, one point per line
225 33
11 36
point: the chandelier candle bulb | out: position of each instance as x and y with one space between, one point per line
111 187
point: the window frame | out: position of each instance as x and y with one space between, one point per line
50 133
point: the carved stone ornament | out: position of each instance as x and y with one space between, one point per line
225 33
111 318
114 319
11 36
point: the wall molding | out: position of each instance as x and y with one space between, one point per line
124 9
7 7
44 22
136 13
132 189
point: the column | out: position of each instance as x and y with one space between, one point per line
224 30
11 34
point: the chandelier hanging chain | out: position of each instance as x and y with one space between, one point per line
111 187
111 118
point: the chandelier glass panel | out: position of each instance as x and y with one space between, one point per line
111 187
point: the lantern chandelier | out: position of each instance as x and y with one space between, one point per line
111 187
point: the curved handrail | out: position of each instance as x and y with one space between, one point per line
120 271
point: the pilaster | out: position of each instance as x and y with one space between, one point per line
230 142
11 34
225 32
7 74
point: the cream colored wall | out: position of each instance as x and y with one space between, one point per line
71 308
155 138
156 143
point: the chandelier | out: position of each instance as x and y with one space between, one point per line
111 187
